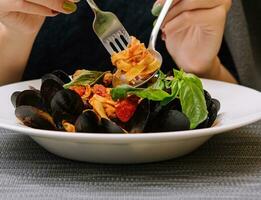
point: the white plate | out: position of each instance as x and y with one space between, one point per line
239 106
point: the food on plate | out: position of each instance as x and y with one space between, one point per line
135 63
88 103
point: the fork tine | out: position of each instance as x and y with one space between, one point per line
116 46
121 42
126 36
107 45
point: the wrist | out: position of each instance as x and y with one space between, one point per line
217 71
17 48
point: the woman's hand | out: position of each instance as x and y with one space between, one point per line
193 32
20 22
28 15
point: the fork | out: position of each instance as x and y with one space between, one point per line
109 29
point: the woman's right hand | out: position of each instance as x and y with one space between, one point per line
27 16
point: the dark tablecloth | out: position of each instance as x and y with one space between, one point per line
228 166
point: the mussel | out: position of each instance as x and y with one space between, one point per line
87 122
66 105
140 118
169 120
108 126
62 76
59 76
213 109
48 89
27 98
35 118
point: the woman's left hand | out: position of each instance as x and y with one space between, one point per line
193 32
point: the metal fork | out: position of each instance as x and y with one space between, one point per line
109 29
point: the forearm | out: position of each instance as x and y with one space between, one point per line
218 72
15 49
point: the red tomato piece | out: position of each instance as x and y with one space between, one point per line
125 110
78 89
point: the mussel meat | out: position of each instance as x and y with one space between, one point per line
35 118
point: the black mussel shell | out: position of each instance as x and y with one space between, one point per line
213 109
87 122
62 76
66 105
27 98
35 118
217 104
140 118
174 120
108 126
173 105
53 77
207 98
171 120
14 97
48 89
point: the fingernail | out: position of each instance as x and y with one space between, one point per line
69 6
156 9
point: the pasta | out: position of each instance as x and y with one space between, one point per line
136 62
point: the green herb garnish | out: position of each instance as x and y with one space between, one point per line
187 87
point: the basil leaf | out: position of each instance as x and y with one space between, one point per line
193 102
174 93
123 91
160 83
194 79
151 94
86 77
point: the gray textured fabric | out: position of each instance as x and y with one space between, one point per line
226 167
239 41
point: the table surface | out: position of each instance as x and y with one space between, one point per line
228 166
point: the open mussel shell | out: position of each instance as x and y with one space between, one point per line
35 118
87 122
48 89
66 105
140 118
27 98
108 126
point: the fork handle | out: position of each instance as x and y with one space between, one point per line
93 6
156 28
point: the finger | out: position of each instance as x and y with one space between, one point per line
158 5
62 6
31 8
190 5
